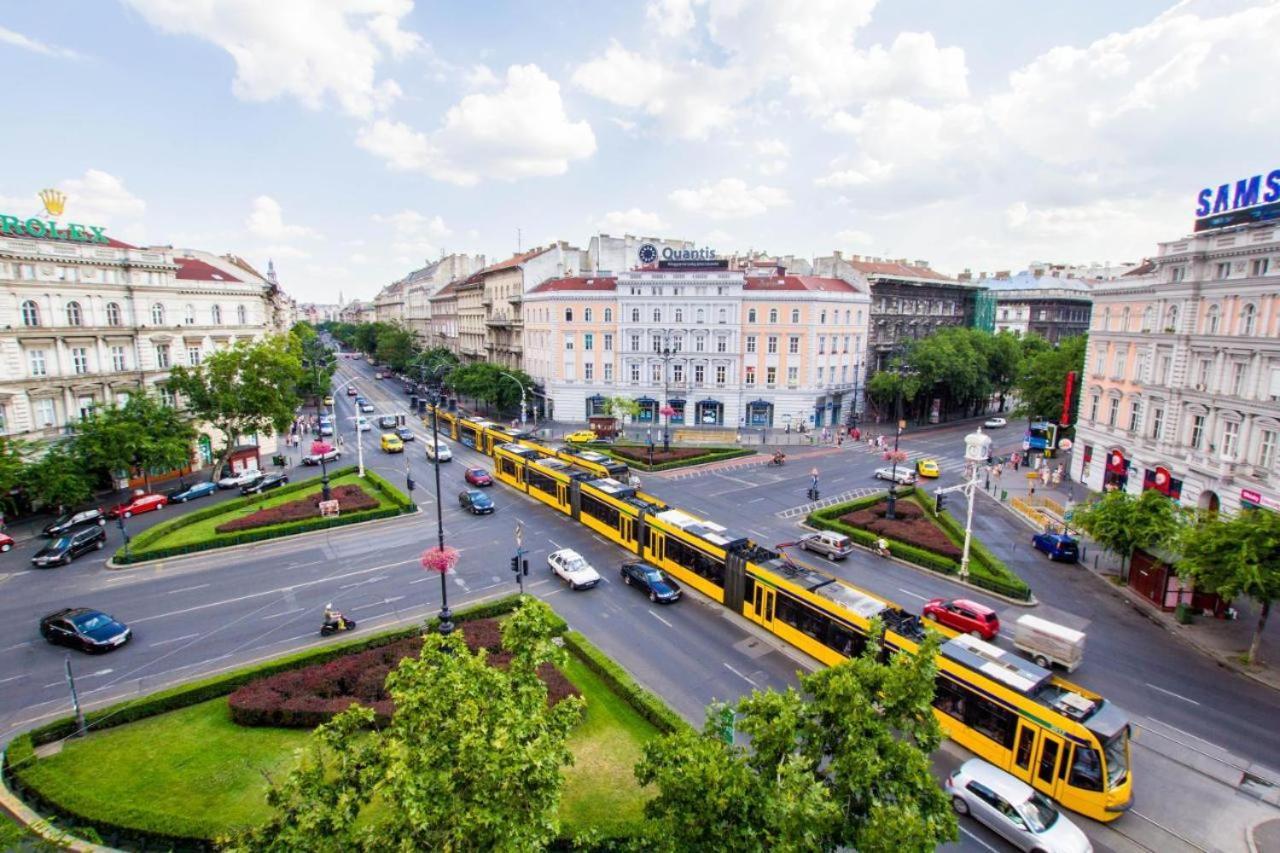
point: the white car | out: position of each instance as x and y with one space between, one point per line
366 406
328 456
904 475
1010 807
438 450
568 565
995 423
243 478
363 425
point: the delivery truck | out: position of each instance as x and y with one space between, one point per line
1049 643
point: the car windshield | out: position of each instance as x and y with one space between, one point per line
654 576
1038 812
61 542
92 621
574 564
1117 755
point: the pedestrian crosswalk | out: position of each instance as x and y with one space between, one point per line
805 509
952 465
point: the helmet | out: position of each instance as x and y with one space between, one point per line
329 606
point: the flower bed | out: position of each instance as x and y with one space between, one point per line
637 455
305 698
911 525
349 498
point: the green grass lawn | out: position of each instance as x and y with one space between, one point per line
195 768
11 835
199 531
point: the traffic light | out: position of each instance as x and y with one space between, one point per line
526 568
939 502
515 565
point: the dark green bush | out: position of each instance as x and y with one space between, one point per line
713 454
645 703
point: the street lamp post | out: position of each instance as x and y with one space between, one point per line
522 396
976 449
666 354
446 615
897 436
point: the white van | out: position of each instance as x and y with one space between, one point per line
438 450
832 545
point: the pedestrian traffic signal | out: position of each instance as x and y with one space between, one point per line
515 565
939 502
526 568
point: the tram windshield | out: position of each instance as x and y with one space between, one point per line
1117 752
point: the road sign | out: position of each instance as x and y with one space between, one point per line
519 533
1065 444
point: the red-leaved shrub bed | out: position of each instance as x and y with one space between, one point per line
349 498
675 454
911 526
305 698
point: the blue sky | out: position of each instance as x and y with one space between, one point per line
349 140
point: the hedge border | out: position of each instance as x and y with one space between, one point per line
713 454
827 519
620 682
22 747
140 553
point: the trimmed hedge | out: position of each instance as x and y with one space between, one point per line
140 551
986 571
712 454
620 681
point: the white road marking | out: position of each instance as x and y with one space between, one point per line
912 594
363 582
11 678
188 589
759 535
660 619
755 500
740 675
283 613
106 671
16 646
1180 731
174 640
554 542
979 840
1171 693
420 580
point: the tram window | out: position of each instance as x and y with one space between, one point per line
696 561
1048 760
541 482
1086 769
749 589
506 466
1026 740
948 697
977 712
600 511
802 618
845 641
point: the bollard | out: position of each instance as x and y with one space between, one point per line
1004 495
1095 562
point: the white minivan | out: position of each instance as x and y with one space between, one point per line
832 545
438 450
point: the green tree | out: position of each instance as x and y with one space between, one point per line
471 760
1236 556
1004 362
1121 522
395 346
317 360
15 456
365 338
143 436
842 762
247 389
622 408
1041 386
58 479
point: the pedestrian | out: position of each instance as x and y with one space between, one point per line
857 434
788 429
1057 476
840 440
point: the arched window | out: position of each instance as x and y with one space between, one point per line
30 313
823 317
1124 320
568 315
75 316
1106 320
751 315
1171 318
157 314
773 315
113 314
795 315
657 315
635 315
679 315
242 315
1213 320
215 314
191 315
846 316
1248 319
701 315
586 315
608 315
1148 317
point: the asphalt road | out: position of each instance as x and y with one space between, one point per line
201 615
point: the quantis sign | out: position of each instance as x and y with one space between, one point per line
50 229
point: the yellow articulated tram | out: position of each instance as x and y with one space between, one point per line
1060 738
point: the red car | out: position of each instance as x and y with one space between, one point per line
967 617
139 503
6 542
478 477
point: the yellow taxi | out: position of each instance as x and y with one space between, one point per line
582 436
927 467
328 401
391 443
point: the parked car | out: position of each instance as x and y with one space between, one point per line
995 423
365 406
438 450
654 581
832 545
328 400
362 424
1059 546
190 493
568 565
333 454
6 542
240 478
965 616
324 430
387 421
582 436
391 443
64 549
478 477
274 480
475 501
903 475
84 629
927 467
378 374
75 518
405 433
1013 809
137 504
352 391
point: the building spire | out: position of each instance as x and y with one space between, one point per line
271 271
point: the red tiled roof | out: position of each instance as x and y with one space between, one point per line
578 283
190 269
244 265
1147 266
514 260
891 269
449 289
799 282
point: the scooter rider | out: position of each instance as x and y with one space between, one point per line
779 457
882 546
333 617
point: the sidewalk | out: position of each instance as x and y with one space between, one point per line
1226 641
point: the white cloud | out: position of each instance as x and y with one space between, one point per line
283 250
633 221
266 222
670 18
518 132
10 37
298 48
481 76
97 198
772 154
416 235
730 198
854 237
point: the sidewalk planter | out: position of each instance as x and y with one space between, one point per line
148 544
986 571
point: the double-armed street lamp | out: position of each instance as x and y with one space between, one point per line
439 559
522 394
890 509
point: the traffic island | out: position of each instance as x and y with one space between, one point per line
287 511
638 456
922 538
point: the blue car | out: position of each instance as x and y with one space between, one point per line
190 493
476 501
1058 546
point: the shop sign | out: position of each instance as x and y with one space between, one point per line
1257 499
49 229
1252 199
669 258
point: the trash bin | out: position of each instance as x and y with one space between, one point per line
278 459
1004 495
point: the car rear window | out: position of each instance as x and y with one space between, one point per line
989 617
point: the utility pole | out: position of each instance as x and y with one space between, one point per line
81 729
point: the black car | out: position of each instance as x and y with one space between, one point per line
64 549
657 583
65 522
476 501
85 629
265 483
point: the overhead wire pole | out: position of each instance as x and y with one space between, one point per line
446 615
522 395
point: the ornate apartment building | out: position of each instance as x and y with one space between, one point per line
1181 390
1049 305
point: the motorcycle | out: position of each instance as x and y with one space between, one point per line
778 459
333 626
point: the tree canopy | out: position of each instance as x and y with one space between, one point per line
1121 522
486 384
959 366
58 479
1041 384
143 435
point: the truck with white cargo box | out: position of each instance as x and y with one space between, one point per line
1049 643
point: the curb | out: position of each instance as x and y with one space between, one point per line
112 565
33 822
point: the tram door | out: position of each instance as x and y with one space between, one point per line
762 605
1046 766
1024 747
